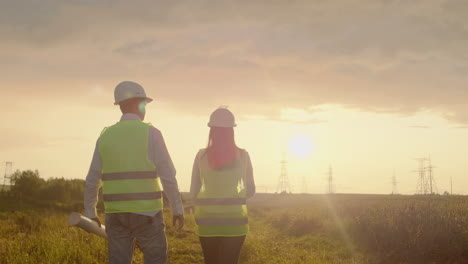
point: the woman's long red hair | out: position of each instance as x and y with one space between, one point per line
222 148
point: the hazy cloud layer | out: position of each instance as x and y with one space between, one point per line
391 56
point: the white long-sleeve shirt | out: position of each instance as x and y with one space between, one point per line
157 153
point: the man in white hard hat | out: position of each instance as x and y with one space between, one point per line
132 161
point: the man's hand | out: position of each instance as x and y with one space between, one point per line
180 219
96 219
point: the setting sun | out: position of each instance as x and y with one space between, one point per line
300 146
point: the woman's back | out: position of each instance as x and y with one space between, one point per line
222 180
226 181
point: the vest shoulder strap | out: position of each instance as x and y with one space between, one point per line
200 154
103 130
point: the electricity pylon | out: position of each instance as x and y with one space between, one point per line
7 175
283 183
331 188
394 184
426 181
304 185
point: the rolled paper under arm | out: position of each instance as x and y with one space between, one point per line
76 219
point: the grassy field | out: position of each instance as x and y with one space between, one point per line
284 229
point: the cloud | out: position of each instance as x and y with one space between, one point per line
295 121
378 56
420 127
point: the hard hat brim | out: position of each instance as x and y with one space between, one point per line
148 100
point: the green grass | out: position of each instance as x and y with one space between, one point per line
284 229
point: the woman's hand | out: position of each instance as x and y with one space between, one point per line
180 219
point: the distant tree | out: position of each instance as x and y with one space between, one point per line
63 190
26 183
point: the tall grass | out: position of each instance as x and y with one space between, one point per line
417 231
284 229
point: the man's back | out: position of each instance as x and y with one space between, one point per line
132 161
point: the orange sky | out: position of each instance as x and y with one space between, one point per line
373 84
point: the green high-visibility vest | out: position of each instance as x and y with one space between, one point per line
220 206
130 182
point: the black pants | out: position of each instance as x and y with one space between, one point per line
222 250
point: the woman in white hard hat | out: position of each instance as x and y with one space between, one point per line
222 181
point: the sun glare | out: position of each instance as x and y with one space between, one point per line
300 146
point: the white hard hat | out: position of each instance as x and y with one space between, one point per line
222 117
127 89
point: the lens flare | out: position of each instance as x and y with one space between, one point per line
142 107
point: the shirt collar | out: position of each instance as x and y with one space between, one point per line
129 116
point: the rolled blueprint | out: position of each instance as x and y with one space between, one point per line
76 219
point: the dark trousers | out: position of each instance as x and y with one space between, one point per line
222 250
123 228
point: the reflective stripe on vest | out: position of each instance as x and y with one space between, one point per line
130 182
129 175
220 201
222 221
131 196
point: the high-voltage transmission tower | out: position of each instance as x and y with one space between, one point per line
331 188
7 175
426 181
430 178
394 184
420 187
283 183
304 185
451 186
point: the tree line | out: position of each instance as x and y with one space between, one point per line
29 184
